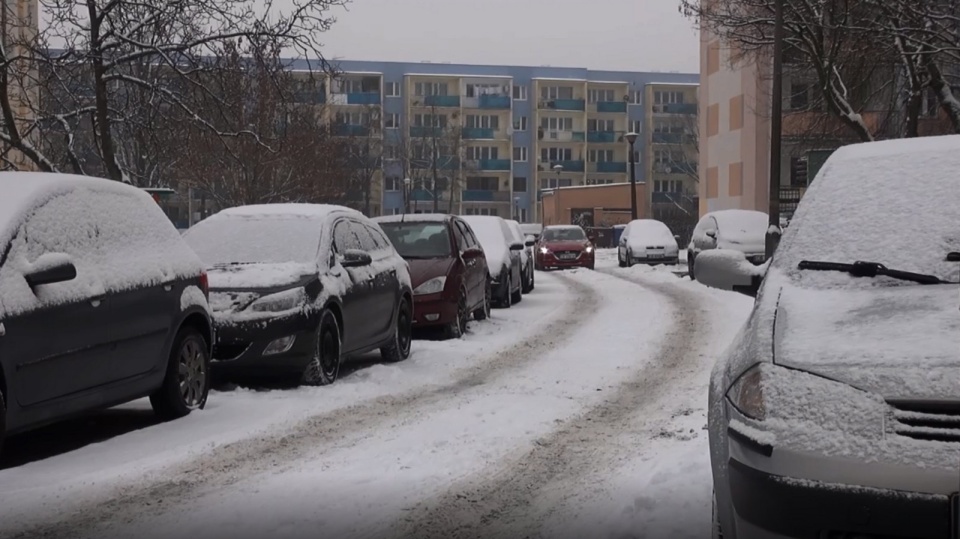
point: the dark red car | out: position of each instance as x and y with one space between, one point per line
448 269
564 246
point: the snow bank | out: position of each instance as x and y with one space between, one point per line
115 235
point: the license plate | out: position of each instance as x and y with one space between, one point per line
654 255
568 256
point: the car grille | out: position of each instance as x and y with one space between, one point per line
226 352
934 421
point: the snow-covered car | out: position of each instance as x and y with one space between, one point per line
526 256
503 257
836 411
531 229
564 246
101 302
647 241
296 288
447 269
738 230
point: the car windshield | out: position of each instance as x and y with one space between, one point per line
896 204
419 240
255 240
563 234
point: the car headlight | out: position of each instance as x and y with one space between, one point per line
281 301
589 249
544 250
432 286
746 394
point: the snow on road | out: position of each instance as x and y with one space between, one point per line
579 411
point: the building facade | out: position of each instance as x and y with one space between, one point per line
590 206
488 140
19 21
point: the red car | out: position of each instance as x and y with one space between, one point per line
448 269
564 246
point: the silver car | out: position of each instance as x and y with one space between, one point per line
836 410
740 230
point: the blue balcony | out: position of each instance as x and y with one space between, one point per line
611 106
601 136
493 164
611 166
421 195
424 131
569 166
476 195
494 102
668 138
474 133
347 130
442 100
678 108
563 104
363 98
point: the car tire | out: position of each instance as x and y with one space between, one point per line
533 278
629 262
3 419
484 311
457 328
517 296
324 368
399 347
507 300
716 532
620 261
690 261
527 280
187 381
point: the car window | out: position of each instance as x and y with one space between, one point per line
459 236
367 243
712 224
344 237
381 241
507 233
472 241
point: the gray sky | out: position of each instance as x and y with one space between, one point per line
633 35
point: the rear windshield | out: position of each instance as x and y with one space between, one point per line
563 234
419 240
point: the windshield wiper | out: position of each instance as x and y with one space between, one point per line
871 269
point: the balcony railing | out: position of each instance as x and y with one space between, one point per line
609 167
363 98
309 97
675 108
425 131
492 164
477 195
601 136
671 138
444 162
441 100
562 104
611 106
563 136
500 102
568 166
474 133
347 130
676 167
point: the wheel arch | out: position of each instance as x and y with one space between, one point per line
335 308
201 323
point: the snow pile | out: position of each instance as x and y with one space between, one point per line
492 234
115 235
894 202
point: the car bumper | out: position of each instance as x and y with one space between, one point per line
654 260
433 310
550 261
771 506
242 347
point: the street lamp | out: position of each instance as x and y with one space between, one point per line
773 229
406 194
631 138
516 208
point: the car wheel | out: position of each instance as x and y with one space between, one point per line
457 328
3 419
484 311
399 347
716 532
324 368
507 300
527 279
629 262
620 261
517 296
187 382
532 280
690 261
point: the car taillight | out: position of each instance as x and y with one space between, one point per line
205 284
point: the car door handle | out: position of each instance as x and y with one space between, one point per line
3 329
95 302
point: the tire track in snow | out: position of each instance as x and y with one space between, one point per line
271 452
517 499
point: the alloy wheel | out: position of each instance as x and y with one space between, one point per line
192 370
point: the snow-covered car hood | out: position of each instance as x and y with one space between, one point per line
564 245
422 270
258 276
899 342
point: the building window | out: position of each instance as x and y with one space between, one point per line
598 96
483 183
523 215
557 124
520 124
519 185
549 155
354 118
476 90
636 97
392 183
429 120
553 183
391 152
519 92
423 89
556 92
600 156
392 89
668 186
599 181
667 98
519 153
483 122
397 211
637 126
599 125
476 153
799 96
798 171
391 120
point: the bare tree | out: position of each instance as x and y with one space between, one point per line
365 153
91 60
433 155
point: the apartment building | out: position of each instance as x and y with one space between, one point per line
487 140
19 26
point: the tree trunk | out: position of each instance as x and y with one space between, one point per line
105 135
911 127
948 102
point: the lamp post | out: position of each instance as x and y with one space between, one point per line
776 112
516 208
406 194
632 138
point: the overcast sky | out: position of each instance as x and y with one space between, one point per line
632 35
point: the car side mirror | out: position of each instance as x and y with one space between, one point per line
472 253
355 258
51 269
728 270
530 243
677 237
516 246
711 234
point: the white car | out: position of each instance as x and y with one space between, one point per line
836 410
647 241
526 255
744 231
502 250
